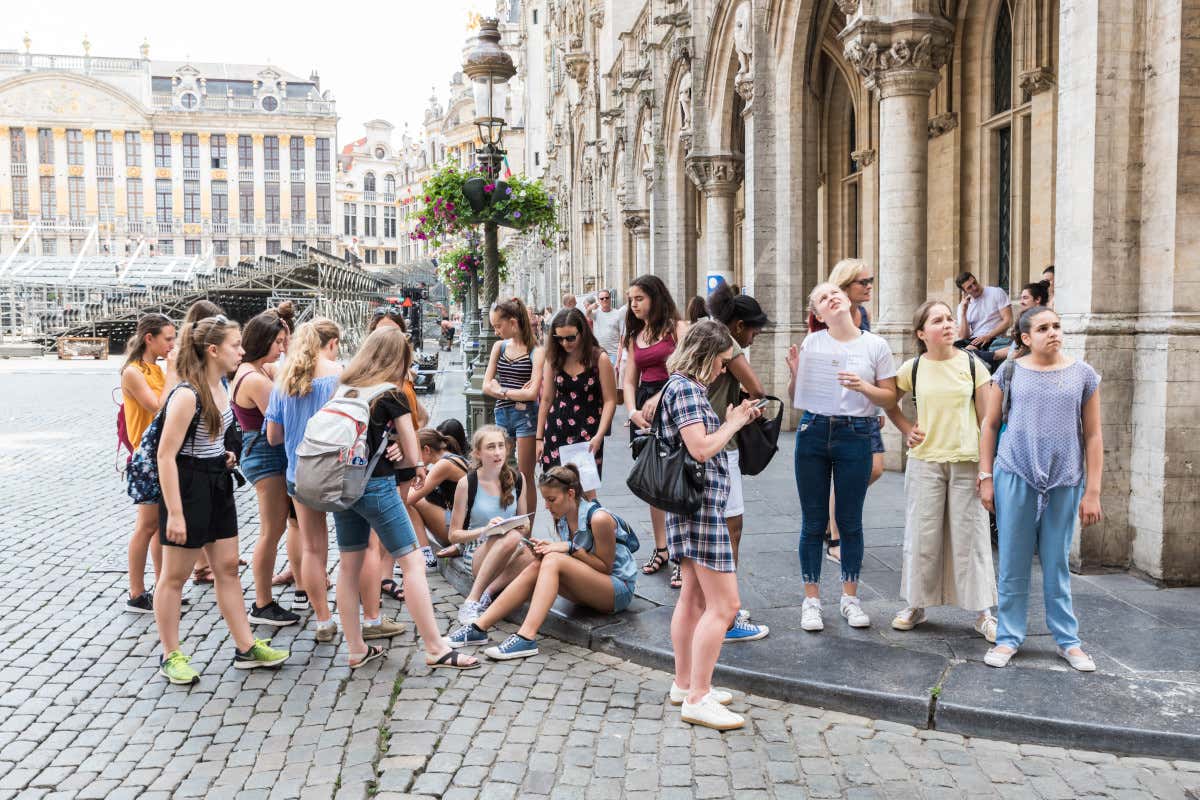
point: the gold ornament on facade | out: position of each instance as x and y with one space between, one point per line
118 135
176 137
3 130
310 141
75 170
204 137
191 229
59 133
89 134
284 139
133 172
45 169
147 136
218 174
257 137
162 172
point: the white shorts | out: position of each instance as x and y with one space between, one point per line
735 506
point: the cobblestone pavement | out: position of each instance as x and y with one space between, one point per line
84 714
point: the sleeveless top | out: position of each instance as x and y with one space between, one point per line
487 506
651 362
137 419
202 445
624 568
443 494
512 373
250 419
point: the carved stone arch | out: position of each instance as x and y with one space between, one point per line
69 98
718 93
671 124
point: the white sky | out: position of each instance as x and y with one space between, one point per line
380 59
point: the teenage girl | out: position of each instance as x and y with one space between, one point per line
429 506
579 391
652 330
307 380
587 564
263 464
382 359
500 493
196 509
144 387
514 379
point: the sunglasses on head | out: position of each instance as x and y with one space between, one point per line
384 311
570 338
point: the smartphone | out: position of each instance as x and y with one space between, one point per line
527 542
762 403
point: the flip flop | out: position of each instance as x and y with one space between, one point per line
373 652
396 592
453 551
202 576
453 659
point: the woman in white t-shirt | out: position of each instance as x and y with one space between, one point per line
833 444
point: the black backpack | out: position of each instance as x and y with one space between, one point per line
473 489
971 359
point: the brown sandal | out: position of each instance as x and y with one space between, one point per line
202 575
373 652
453 659
656 562
453 551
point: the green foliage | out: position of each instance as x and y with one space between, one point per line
457 267
518 202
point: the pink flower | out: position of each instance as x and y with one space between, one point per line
591 421
489 187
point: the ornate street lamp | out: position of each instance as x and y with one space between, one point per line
489 69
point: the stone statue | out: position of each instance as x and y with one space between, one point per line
685 101
743 41
647 140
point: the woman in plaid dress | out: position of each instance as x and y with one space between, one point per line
708 600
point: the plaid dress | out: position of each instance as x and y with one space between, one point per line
703 536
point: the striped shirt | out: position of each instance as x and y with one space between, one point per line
512 373
201 445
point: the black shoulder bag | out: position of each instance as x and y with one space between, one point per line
665 475
759 441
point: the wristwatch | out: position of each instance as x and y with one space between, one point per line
983 476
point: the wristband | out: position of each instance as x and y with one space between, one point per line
571 548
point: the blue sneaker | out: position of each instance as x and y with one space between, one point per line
465 635
512 647
744 630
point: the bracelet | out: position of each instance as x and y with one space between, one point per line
540 439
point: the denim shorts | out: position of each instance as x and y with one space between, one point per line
877 440
380 508
518 424
622 594
260 459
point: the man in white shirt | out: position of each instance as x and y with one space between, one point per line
608 324
984 315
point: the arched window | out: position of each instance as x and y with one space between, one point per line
1002 97
389 184
1002 60
369 182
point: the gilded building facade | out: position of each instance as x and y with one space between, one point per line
102 155
760 141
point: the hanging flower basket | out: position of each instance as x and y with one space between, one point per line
457 267
444 209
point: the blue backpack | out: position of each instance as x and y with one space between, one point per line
141 478
625 534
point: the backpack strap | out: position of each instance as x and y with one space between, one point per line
913 379
971 362
472 490
1006 391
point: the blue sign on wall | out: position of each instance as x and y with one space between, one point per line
715 281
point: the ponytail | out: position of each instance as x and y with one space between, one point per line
514 308
192 364
296 377
148 325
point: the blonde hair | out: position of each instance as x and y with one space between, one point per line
508 475
191 364
922 316
296 377
384 357
701 346
845 272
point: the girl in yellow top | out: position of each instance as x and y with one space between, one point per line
947 556
143 386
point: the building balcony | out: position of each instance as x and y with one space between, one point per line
19 169
31 62
368 197
389 197
297 176
220 228
277 228
324 229
135 226
246 174
313 107
104 170
191 174
322 176
271 175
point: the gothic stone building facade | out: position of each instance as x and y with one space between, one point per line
763 140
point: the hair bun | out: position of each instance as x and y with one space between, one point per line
286 311
571 468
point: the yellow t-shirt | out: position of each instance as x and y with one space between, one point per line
944 408
137 419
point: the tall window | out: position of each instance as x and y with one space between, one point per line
246 248
45 146
75 198
271 195
133 200
369 218
271 152
162 150
218 158
191 202
16 145
104 198
245 152
20 192
371 256
104 149
369 182
220 202
191 151
273 247
350 219
133 149
47 196
162 201
75 147
389 222
389 256
220 247
1002 61
166 247
323 155
296 153
49 246
298 205
191 247
1002 79
246 203
324 206
389 184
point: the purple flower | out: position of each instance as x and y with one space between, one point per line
508 191
516 215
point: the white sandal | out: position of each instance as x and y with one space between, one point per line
997 658
1080 661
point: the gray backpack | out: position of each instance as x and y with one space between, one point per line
332 462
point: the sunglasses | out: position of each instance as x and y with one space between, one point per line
385 311
570 338
603 297
864 282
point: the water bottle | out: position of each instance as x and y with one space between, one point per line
358 453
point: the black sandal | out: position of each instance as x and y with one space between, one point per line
452 660
396 592
831 543
677 577
373 652
656 562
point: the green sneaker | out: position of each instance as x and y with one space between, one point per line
259 655
176 669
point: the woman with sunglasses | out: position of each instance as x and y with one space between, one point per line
579 392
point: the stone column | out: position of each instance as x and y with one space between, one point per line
286 189
6 205
718 177
33 173
637 222
1042 158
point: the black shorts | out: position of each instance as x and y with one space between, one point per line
206 492
405 474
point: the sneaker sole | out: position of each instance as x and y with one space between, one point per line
512 656
274 622
905 626
256 664
760 635
178 682
675 702
326 635
732 726
135 610
367 637
866 624
460 645
811 628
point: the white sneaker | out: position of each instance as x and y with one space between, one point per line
470 612
722 696
852 611
1081 661
810 615
431 562
908 618
711 714
986 627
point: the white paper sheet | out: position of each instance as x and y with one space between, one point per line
580 454
817 387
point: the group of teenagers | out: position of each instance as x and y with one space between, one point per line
1024 444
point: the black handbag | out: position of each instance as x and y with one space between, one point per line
759 441
665 475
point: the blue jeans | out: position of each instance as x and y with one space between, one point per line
518 424
380 508
837 450
1020 532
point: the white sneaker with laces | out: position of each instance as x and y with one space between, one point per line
722 696
711 714
852 611
986 627
470 612
810 615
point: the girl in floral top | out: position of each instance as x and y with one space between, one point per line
579 391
